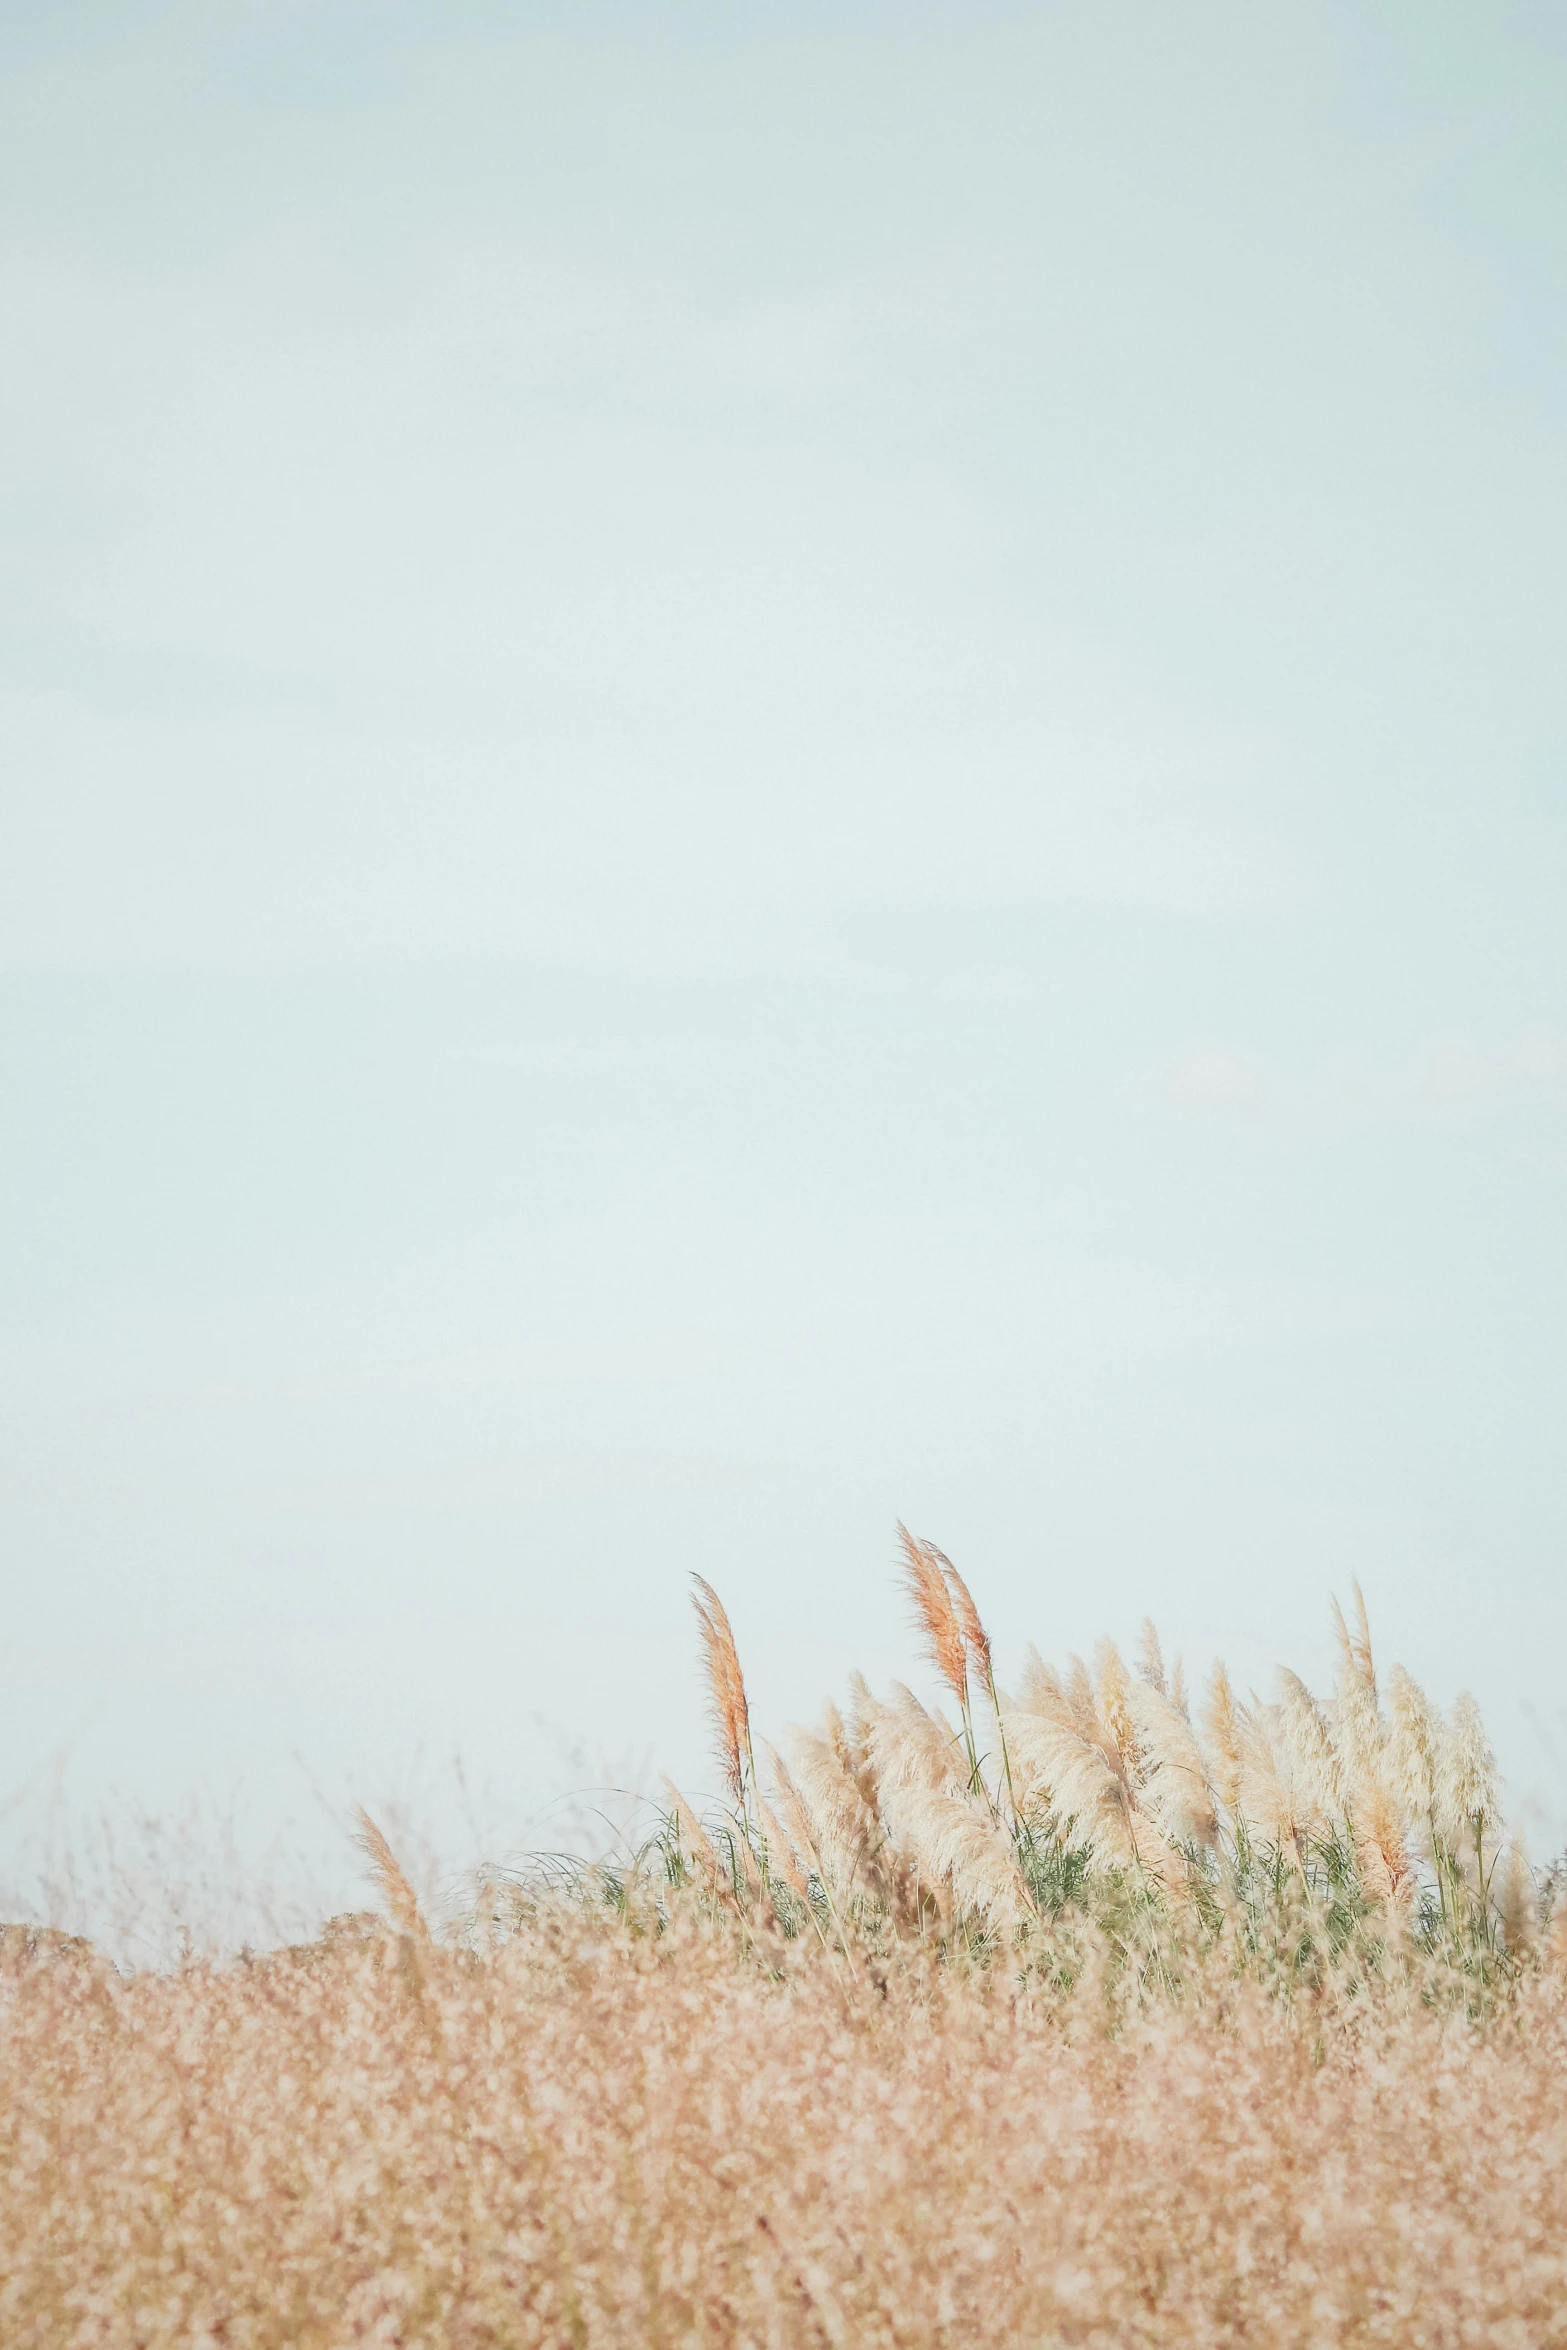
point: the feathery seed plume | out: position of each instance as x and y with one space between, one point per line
1034 1788
695 1840
1081 1701
1150 1657
1358 1729
396 1892
1221 1720
796 1824
1467 1791
839 1826
1380 1850
976 1641
1413 1740
961 1850
730 1714
909 1745
975 1638
1112 1690
1359 1734
934 1613
1315 1764
1354 1645
1081 1778
1517 1903
1040 1687
1270 1802
1361 1642
1175 1792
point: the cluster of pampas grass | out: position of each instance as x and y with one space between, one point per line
1071 2015
1360 1831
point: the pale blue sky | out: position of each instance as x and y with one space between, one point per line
757 768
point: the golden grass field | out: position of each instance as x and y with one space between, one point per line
1084 2014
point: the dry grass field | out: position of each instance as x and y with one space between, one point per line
1082 2015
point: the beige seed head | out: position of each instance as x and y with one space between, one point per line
1517 1902
1411 1750
695 1841
935 1615
727 1706
1175 1793
1150 1657
1315 1764
1467 1786
1112 1692
976 1639
396 1892
1221 1721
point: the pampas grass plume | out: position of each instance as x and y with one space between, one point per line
935 1614
401 1900
728 1710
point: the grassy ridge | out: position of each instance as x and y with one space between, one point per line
611 2129
1078 2014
